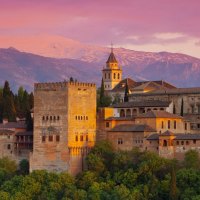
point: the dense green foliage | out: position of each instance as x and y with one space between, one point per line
103 100
16 105
111 175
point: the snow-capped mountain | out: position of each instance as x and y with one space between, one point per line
84 62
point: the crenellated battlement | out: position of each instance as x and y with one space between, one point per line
61 85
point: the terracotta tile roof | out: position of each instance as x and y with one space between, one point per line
180 136
187 136
132 128
7 132
120 87
30 133
158 114
153 103
121 118
195 90
141 85
19 124
167 133
154 136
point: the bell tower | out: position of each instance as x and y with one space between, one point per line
112 73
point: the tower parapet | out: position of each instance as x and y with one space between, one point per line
61 85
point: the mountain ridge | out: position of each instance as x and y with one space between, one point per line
24 68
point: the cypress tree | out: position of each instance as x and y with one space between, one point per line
173 188
31 100
1 105
126 93
174 109
29 121
102 94
182 105
9 111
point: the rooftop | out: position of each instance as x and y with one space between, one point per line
153 103
132 128
111 58
194 90
12 125
159 114
179 136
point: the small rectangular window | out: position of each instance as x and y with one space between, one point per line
120 141
185 126
57 138
168 124
50 138
175 124
162 125
107 124
43 138
86 138
81 138
76 138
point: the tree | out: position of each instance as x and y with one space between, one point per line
9 111
102 94
29 121
1 105
173 188
102 99
192 159
126 93
182 106
174 109
24 167
116 99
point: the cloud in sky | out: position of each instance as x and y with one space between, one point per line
148 24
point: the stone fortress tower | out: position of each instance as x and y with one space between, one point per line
64 125
112 73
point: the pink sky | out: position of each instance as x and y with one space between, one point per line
149 25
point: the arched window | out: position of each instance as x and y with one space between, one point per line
50 117
58 117
43 118
54 118
109 75
128 113
86 117
122 113
114 75
47 118
134 112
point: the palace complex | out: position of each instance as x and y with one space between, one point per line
155 116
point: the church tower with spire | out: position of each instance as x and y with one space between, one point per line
112 74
